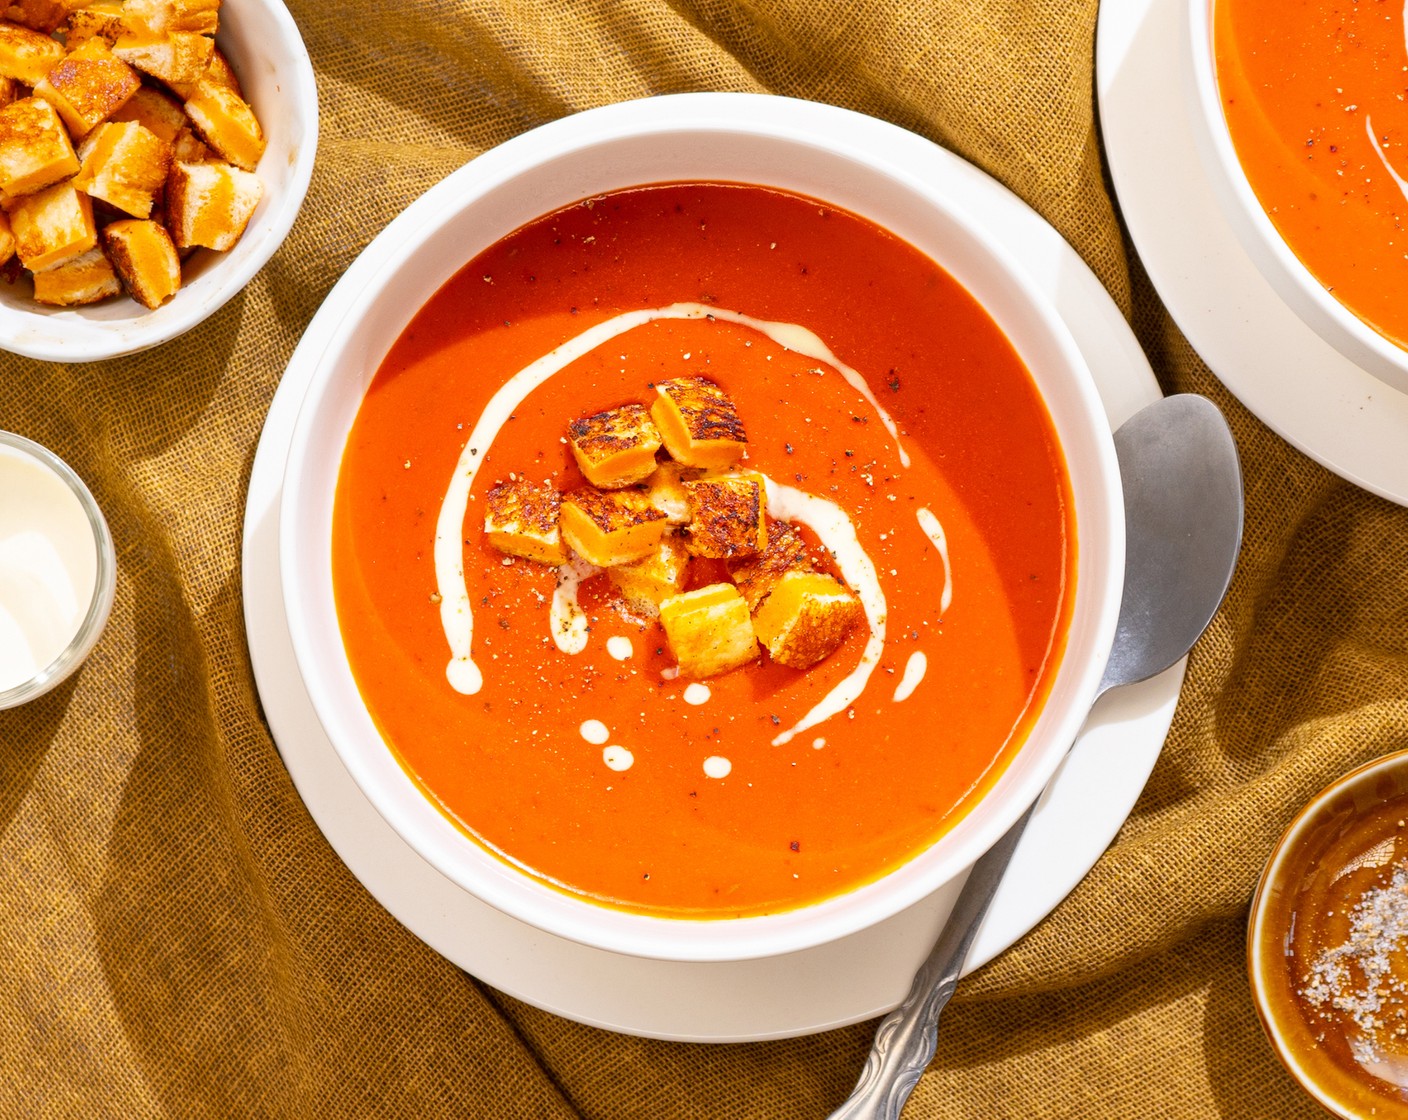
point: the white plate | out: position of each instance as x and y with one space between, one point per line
853 979
1297 384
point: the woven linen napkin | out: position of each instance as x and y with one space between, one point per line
177 939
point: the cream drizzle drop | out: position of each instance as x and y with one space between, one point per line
568 620
716 766
594 732
456 614
834 528
619 647
914 670
618 758
696 694
935 532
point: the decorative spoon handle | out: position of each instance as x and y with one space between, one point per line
906 1038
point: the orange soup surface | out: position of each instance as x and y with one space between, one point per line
601 771
1314 95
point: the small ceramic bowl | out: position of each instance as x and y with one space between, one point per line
263 45
58 571
1327 944
805 148
1273 257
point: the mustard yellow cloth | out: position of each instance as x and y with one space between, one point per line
178 940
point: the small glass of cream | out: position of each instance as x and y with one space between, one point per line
58 571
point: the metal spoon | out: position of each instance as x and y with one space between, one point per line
1183 528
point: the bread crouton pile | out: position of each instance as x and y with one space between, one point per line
664 490
125 143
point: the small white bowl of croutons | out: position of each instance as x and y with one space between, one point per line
153 156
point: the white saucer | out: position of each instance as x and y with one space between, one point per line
1298 385
859 977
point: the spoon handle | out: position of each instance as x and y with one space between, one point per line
906 1038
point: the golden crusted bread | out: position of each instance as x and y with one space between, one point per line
88 86
709 630
728 516
38 15
145 260
698 422
35 151
52 226
520 518
87 278
647 583
785 551
101 20
124 164
178 57
7 239
156 18
610 527
25 54
226 122
614 448
805 618
209 204
159 113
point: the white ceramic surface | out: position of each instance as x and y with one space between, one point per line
268 55
729 137
1280 267
846 981
1293 380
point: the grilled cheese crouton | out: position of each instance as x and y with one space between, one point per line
102 20
647 583
728 516
615 448
665 489
219 72
25 54
709 630
175 58
87 278
610 527
805 619
125 165
145 260
39 15
698 422
35 151
187 147
521 518
226 122
785 551
161 17
52 226
88 86
209 204
159 113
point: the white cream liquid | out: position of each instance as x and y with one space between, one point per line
48 566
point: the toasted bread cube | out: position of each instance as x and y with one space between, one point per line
615 448
728 516
610 527
226 122
145 260
805 619
7 240
698 422
88 86
10 91
520 518
125 165
159 113
156 18
188 148
102 20
176 58
85 279
35 151
219 73
27 55
209 204
39 15
52 226
756 576
647 583
665 489
709 630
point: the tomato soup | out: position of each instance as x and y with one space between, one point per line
1314 96
895 426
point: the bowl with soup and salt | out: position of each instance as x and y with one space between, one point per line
1300 116
1327 943
909 409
